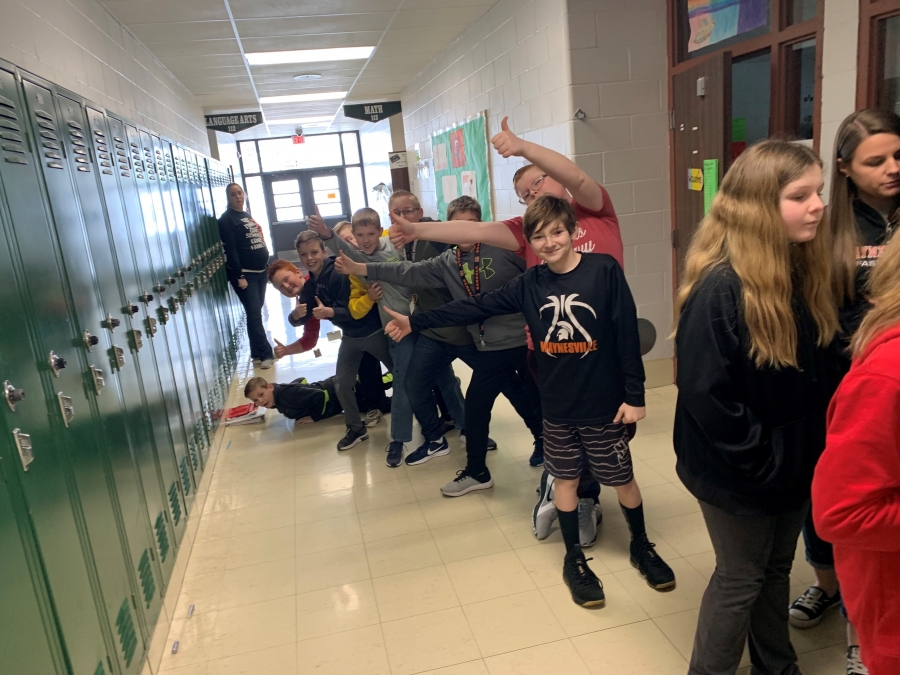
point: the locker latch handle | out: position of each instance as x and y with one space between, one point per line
66 407
120 356
112 323
138 342
12 395
90 340
57 363
23 444
97 376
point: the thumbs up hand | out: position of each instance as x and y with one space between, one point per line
299 311
507 143
280 349
320 311
345 265
317 224
398 327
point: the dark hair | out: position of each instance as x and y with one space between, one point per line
308 235
229 186
842 228
463 204
545 210
253 384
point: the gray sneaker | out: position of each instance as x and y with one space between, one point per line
373 417
587 522
464 483
544 512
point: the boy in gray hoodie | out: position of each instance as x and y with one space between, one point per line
374 248
497 358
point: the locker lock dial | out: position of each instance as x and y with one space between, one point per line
90 340
57 363
133 309
112 323
146 298
159 288
170 280
12 395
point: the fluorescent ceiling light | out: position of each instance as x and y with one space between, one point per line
302 120
300 98
310 56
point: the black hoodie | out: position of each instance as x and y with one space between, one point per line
301 399
243 242
747 439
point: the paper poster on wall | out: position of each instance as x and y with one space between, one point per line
469 184
712 21
464 170
440 157
450 187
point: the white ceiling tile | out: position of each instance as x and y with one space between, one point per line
440 4
447 16
250 9
133 11
197 48
183 31
287 43
174 63
313 25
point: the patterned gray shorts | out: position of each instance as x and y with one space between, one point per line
604 446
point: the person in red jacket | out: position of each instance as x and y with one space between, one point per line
856 489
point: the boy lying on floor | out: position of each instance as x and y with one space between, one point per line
300 400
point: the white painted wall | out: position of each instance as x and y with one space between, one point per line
839 63
514 62
79 45
377 143
618 74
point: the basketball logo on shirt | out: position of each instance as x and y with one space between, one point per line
867 256
566 335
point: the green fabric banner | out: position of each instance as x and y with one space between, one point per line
460 161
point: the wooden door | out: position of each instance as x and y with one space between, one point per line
701 131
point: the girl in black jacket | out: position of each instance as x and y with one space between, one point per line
756 320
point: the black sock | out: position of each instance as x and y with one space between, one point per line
568 523
635 519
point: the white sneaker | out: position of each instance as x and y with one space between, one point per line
854 663
544 512
265 365
587 522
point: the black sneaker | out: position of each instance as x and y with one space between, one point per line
353 437
394 454
807 610
491 444
644 557
537 457
585 587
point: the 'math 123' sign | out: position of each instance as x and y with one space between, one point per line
372 112
234 122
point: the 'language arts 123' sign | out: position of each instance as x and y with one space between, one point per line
372 112
233 122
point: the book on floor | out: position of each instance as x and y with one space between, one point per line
245 414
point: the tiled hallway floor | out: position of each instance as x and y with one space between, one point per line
307 561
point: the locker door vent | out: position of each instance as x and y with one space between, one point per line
162 537
195 460
186 476
127 637
175 503
145 571
14 144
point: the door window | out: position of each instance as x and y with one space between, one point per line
801 87
750 101
287 199
327 195
889 96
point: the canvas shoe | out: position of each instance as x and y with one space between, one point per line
807 610
544 512
855 665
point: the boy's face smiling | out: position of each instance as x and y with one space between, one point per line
368 237
288 283
552 242
312 255
405 207
525 187
264 397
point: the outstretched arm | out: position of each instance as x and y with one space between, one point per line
560 168
462 232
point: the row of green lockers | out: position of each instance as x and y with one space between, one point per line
117 344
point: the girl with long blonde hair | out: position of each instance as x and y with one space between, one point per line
856 491
755 323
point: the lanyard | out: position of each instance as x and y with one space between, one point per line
477 274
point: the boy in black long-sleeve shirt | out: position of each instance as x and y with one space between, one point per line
582 317
299 400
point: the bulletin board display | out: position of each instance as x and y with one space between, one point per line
460 162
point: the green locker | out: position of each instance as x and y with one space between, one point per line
127 259
28 633
94 430
174 466
37 343
143 500
154 221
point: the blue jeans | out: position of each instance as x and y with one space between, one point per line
403 400
253 298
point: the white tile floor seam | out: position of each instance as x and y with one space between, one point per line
365 569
